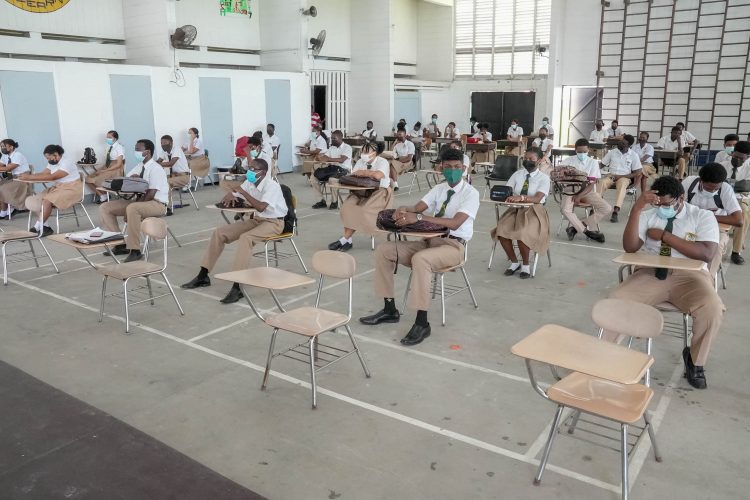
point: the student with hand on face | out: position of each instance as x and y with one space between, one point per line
624 171
451 131
661 222
590 225
360 213
528 226
12 164
152 204
264 195
339 154
453 204
709 191
64 194
114 166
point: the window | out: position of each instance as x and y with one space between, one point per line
501 37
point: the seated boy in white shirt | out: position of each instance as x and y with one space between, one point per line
339 154
624 171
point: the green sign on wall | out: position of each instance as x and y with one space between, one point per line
240 7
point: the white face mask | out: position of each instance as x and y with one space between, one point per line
514 126
582 157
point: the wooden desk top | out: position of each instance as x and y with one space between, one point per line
335 184
233 210
572 350
424 236
648 260
506 204
62 238
266 277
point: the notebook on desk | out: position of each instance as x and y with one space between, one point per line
95 235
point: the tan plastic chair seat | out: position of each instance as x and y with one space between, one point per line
622 403
281 236
628 318
129 269
308 321
17 235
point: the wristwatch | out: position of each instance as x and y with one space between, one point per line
419 217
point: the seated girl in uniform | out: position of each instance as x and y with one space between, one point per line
528 226
360 213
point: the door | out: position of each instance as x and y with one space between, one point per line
279 112
581 106
407 105
216 120
499 108
133 111
31 116
320 104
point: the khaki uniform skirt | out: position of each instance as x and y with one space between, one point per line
529 225
199 166
62 196
98 178
362 215
13 192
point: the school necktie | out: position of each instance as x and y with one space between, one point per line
734 172
107 161
441 212
525 188
666 251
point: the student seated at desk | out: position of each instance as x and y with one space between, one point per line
729 142
688 139
317 145
598 135
453 204
545 145
738 169
709 191
64 194
615 132
515 134
339 154
528 226
645 152
271 139
485 136
545 125
12 164
264 195
152 204
369 132
114 166
432 128
416 135
403 153
360 212
673 142
624 171
174 159
672 227
590 225
451 131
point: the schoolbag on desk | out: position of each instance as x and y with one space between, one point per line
89 157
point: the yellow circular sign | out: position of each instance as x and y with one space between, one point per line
39 6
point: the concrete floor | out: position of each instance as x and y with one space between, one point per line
454 417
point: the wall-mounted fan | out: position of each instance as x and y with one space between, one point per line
316 44
312 11
183 36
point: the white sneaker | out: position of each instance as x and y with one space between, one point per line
3 213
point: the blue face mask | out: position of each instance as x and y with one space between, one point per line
110 141
253 154
666 212
251 177
729 150
544 122
582 157
138 156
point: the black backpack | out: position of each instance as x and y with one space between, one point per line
717 196
505 166
291 216
89 157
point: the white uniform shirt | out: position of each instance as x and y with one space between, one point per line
268 191
598 135
539 182
403 148
319 143
415 133
517 132
743 171
543 145
721 156
381 165
181 166
198 144
549 128
267 149
590 167
687 137
456 132
432 129
369 134
67 165
699 199
667 144
264 155
156 177
465 199
272 140
691 223
116 151
487 136
613 133
467 164
622 164
339 151
647 150
16 158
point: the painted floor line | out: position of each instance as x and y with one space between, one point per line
341 397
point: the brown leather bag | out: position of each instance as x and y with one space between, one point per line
385 221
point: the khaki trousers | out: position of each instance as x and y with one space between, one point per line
621 185
401 167
424 258
248 232
741 232
691 292
601 210
134 213
713 266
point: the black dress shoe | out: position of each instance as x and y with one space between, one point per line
169 212
395 188
524 275
571 233
381 317
694 374
614 217
594 235
197 282
34 230
320 204
117 250
417 334
333 206
511 272
345 247
737 259
335 245
134 255
234 295
46 231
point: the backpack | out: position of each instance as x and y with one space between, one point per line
89 157
291 217
717 196
239 147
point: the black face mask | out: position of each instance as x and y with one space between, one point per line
53 162
166 148
529 165
542 137
736 162
3 151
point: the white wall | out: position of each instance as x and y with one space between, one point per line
215 30
148 24
435 45
94 18
334 16
404 31
85 103
282 35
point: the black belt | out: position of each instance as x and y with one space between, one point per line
460 240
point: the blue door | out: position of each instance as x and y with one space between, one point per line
133 112
31 114
216 120
407 105
279 112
